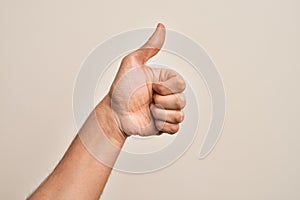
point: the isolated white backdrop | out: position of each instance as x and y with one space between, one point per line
255 45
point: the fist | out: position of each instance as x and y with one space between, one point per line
147 101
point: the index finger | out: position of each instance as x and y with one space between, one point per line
172 85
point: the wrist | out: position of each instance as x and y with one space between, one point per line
108 123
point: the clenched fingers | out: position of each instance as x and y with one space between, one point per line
170 116
171 102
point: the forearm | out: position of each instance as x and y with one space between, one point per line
80 175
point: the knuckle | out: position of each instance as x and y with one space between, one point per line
132 57
174 128
172 72
180 101
179 117
127 58
177 103
183 100
181 84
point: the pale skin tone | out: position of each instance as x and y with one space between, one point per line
150 105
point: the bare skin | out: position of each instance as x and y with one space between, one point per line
150 104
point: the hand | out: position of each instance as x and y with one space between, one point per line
147 101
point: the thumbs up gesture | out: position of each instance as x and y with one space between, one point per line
144 100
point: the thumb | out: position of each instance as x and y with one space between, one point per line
152 46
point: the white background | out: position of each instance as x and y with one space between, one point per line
255 45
